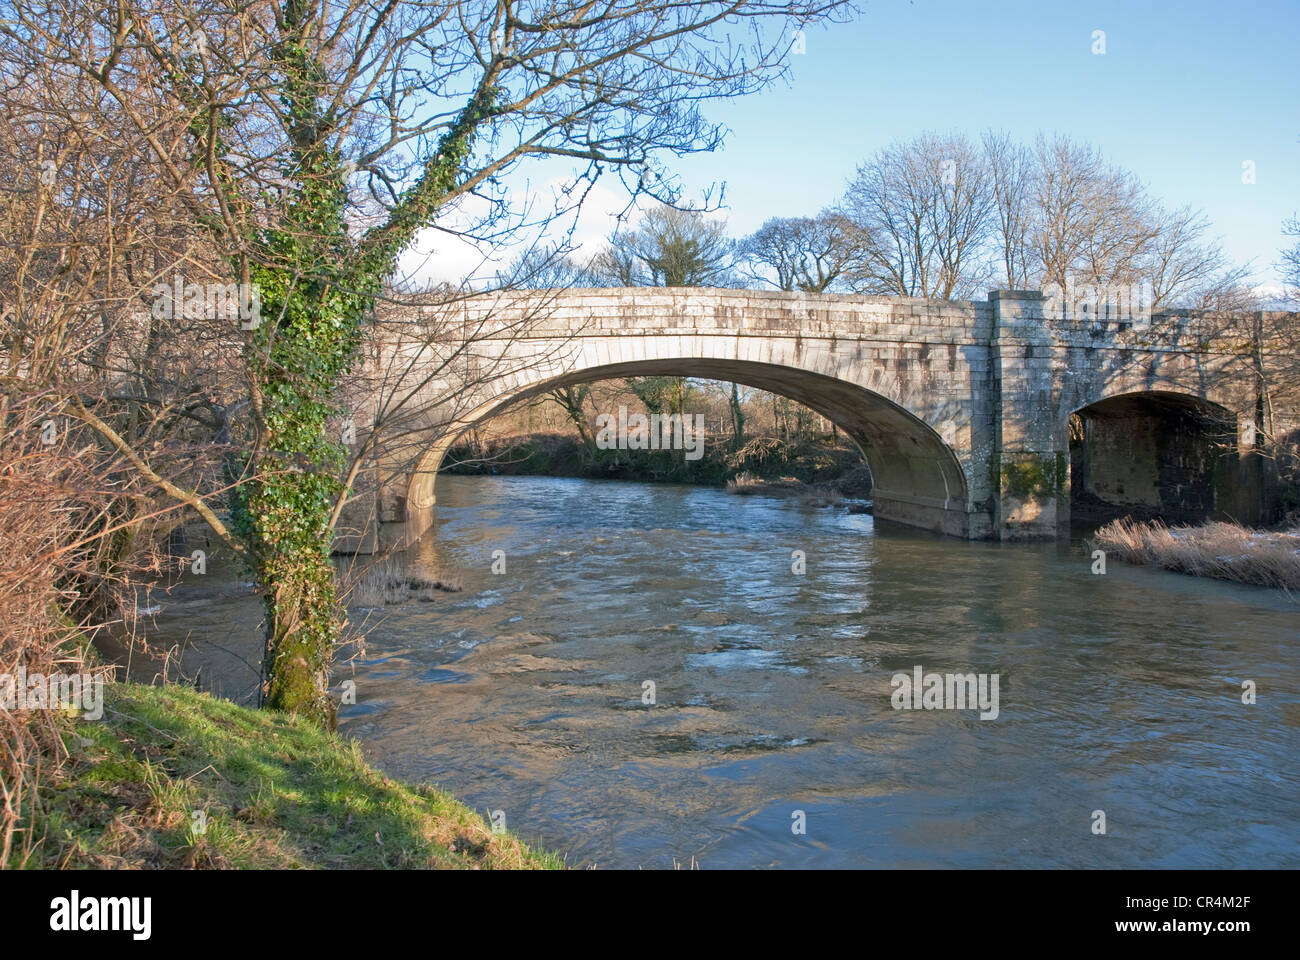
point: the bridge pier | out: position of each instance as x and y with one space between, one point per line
950 518
1029 464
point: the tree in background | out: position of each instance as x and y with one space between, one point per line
543 267
1011 169
737 416
1290 262
1185 267
920 215
669 247
571 400
1284 334
937 216
1065 215
1090 221
800 253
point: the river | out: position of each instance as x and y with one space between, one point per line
770 736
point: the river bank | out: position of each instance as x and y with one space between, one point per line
173 778
822 467
1223 551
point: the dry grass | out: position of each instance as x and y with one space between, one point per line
1224 551
46 495
807 495
745 483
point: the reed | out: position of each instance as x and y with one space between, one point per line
1224 551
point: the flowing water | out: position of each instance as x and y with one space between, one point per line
1121 693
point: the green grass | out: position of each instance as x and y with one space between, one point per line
272 793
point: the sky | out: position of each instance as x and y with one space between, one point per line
1184 95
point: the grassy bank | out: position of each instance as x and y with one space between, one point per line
1224 551
273 792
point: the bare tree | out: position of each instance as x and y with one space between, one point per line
1067 216
1011 170
921 213
800 253
1184 267
90 234
670 247
94 235
1091 222
1290 262
1283 336
543 267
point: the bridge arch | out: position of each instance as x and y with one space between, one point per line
909 459
1157 453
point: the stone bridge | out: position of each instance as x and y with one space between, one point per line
979 419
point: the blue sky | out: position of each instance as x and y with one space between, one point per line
1184 94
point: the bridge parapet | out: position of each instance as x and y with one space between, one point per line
649 311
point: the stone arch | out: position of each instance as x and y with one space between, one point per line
1154 453
1193 382
918 477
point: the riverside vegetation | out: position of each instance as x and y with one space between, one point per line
177 778
802 465
1224 551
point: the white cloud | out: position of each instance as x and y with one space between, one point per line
441 256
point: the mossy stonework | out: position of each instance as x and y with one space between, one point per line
1032 475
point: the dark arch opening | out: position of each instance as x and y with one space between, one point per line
1153 456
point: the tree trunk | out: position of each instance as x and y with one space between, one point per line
290 514
737 417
